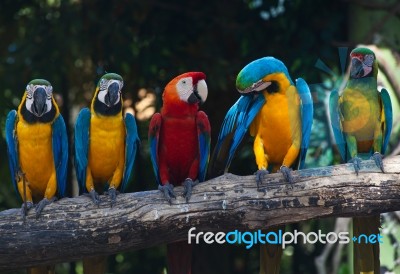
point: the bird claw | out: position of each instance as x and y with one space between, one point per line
168 191
112 192
357 163
24 210
260 176
44 202
287 174
95 197
188 187
377 157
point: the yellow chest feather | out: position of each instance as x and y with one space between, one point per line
35 153
107 146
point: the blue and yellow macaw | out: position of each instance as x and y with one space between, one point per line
37 146
279 115
362 122
105 149
105 141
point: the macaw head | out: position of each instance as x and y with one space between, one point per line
189 88
265 74
38 104
107 99
363 63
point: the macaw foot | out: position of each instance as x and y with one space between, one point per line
168 191
260 176
357 163
44 202
188 187
112 192
95 197
24 210
287 174
377 157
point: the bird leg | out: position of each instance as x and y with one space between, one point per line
188 186
168 191
287 174
377 157
260 176
357 163
44 202
25 207
95 196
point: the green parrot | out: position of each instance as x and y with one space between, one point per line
361 119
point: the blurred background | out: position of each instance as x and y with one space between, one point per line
72 43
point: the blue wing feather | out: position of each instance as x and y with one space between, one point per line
387 108
12 146
154 131
82 128
60 153
336 124
237 121
131 145
307 113
204 133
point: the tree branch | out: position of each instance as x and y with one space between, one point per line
73 228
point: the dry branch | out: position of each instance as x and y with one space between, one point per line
73 228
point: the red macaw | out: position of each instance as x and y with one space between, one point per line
179 139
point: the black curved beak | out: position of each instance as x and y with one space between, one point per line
39 106
112 94
195 96
357 70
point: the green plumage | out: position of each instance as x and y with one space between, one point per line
361 122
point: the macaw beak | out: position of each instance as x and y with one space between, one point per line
200 92
357 69
39 106
112 94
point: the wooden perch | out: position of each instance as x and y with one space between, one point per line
73 228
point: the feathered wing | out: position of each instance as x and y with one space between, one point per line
82 132
334 112
235 125
132 143
204 133
387 119
307 113
12 146
60 153
154 133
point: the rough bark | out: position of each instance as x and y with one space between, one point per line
72 228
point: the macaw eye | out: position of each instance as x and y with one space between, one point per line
29 91
184 82
49 91
103 84
368 60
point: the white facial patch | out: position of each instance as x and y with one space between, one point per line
103 90
257 86
185 88
30 91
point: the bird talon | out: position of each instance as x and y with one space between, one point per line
188 187
95 197
24 210
112 192
44 202
260 176
377 157
357 163
168 191
287 174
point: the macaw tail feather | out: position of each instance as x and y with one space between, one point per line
44 269
366 255
270 255
95 265
179 256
